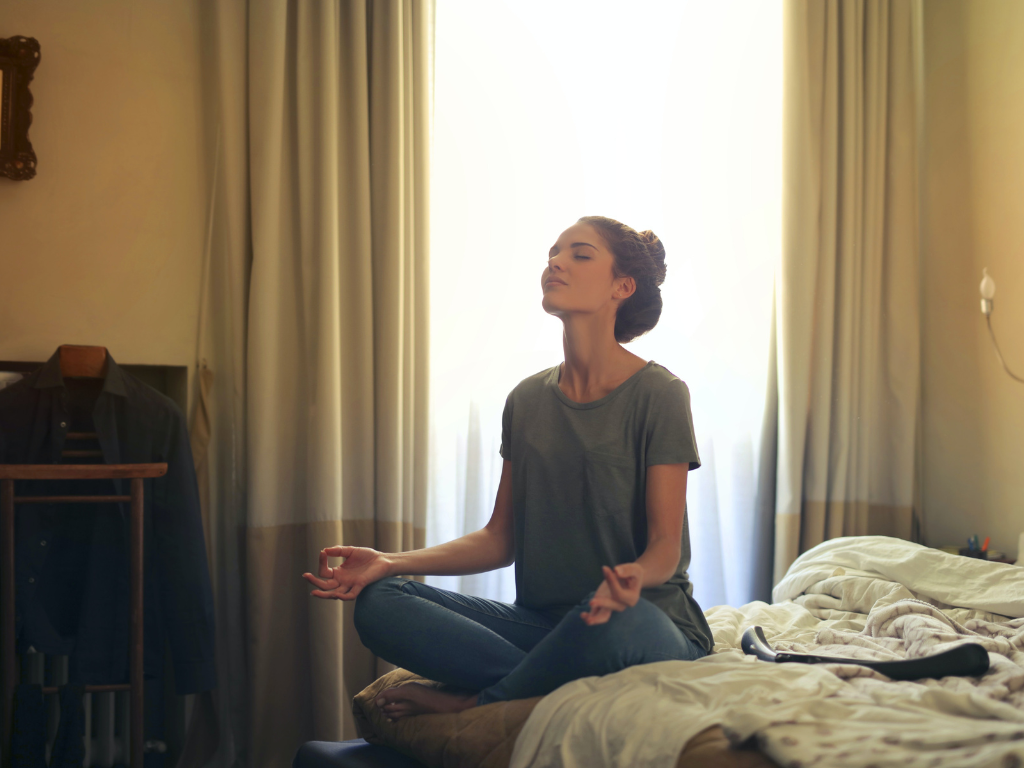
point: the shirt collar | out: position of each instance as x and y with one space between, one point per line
50 376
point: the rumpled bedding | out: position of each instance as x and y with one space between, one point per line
857 597
483 737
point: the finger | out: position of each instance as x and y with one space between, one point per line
325 569
353 591
604 595
334 594
599 616
326 594
628 574
614 586
321 583
607 601
629 584
612 605
630 571
340 592
339 551
318 582
344 590
623 595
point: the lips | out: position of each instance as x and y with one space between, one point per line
551 280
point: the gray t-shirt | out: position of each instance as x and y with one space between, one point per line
579 485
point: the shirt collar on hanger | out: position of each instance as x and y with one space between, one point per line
50 376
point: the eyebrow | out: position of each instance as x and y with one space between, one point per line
572 245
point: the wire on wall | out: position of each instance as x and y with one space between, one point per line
992 335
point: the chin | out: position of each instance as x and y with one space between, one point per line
548 305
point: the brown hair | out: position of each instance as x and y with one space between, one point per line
639 255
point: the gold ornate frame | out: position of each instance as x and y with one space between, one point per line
19 57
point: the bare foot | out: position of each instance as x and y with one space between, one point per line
415 699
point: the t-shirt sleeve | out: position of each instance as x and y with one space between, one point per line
506 430
670 438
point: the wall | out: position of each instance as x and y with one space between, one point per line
973 217
105 245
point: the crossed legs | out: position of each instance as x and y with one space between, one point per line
493 651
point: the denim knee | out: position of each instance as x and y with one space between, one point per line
640 617
637 635
644 611
372 605
662 639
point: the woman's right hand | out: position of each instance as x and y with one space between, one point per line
361 566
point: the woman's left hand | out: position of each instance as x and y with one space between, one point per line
619 590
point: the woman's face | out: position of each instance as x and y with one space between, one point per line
579 276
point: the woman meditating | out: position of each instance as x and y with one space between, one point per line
591 507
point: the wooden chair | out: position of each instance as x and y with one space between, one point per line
136 473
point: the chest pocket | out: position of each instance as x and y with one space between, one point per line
609 484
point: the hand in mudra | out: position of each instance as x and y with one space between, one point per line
361 566
619 590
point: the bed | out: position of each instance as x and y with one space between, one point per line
857 597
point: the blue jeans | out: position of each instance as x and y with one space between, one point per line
507 651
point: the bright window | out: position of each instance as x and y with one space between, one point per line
664 115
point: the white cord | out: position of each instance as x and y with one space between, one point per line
992 334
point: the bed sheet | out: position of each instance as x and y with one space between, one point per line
861 597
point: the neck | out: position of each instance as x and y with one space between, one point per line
592 356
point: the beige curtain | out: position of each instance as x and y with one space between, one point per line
202 735
847 333
320 318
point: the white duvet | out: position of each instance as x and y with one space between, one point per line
862 597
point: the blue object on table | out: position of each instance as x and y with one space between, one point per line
355 753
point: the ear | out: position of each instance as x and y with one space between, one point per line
624 288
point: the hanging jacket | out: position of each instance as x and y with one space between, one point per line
72 560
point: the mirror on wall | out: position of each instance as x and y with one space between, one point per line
19 57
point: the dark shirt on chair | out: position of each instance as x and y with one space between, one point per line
71 560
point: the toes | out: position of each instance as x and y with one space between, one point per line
395 709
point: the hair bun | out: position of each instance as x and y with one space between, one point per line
657 251
639 255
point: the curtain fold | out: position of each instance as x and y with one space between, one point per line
848 330
219 723
314 329
399 143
